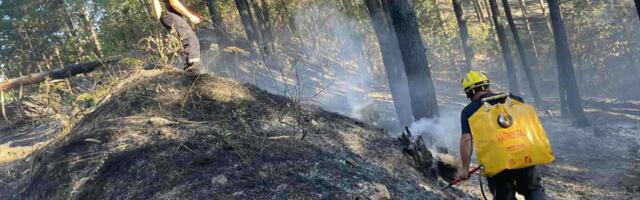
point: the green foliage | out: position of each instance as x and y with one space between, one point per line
124 23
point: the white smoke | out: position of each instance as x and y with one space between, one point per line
346 76
441 131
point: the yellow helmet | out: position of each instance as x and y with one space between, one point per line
474 79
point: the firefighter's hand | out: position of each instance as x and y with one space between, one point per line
463 174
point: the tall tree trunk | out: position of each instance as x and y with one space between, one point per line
268 26
218 24
476 6
264 25
638 7
546 16
506 51
464 34
523 7
523 55
247 20
67 18
485 4
566 74
421 89
91 28
630 35
392 60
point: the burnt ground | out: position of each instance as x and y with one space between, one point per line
158 134
163 135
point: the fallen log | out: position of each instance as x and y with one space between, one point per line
418 151
66 72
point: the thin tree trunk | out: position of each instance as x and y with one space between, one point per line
638 7
476 6
522 53
218 24
91 29
263 25
546 17
464 35
421 89
392 60
485 5
506 51
523 7
630 35
65 72
267 18
247 20
566 74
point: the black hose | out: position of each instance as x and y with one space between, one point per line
481 188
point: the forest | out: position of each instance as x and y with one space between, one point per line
307 99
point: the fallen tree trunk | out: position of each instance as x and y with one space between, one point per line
67 71
418 151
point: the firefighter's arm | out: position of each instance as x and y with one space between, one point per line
466 149
193 17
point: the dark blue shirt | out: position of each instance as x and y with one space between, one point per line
475 105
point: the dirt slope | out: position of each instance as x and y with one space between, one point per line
162 135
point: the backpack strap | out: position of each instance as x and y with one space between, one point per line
487 106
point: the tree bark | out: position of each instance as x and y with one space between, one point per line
247 20
268 26
506 51
523 7
421 89
546 17
523 55
464 35
485 4
476 6
65 72
218 24
91 29
264 26
566 74
638 7
392 60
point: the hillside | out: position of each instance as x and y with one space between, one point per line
163 135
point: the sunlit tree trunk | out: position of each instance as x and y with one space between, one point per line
506 51
566 74
523 7
546 16
421 89
392 59
523 55
485 5
464 35
476 6
90 27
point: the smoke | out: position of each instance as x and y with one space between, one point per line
337 46
441 131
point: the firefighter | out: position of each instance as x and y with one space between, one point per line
504 179
172 19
